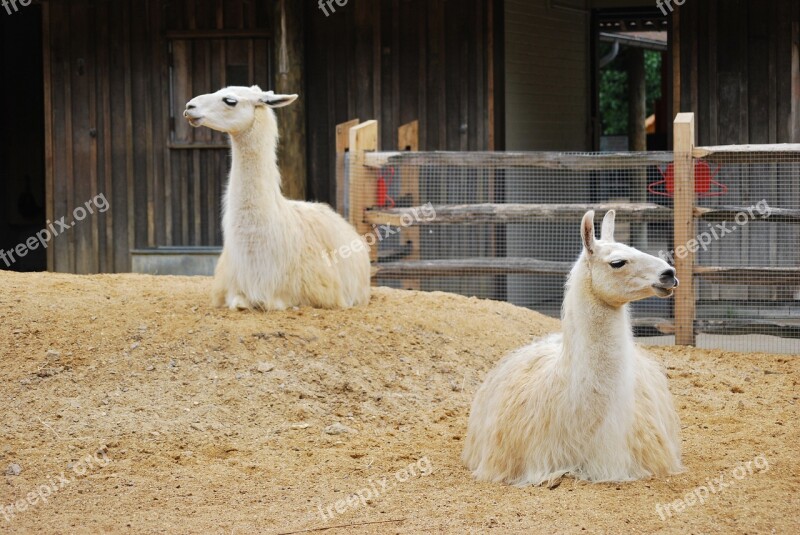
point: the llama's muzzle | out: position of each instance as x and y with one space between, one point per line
667 283
666 288
193 118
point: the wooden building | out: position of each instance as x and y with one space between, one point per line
95 90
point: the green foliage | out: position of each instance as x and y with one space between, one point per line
614 90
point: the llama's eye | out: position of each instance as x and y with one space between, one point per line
230 102
617 264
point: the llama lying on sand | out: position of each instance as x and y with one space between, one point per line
274 248
587 402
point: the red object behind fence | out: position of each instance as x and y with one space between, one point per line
704 179
384 182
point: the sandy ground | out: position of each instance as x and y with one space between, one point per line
131 406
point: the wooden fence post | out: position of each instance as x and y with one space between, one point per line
685 231
363 138
342 146
408 140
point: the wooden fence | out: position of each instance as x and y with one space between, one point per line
357 177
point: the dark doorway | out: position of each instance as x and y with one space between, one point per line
632 80
22 166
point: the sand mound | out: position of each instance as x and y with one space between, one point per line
211 420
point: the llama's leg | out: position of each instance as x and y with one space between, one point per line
655 437
273 304
224 291
322 290
608 455
237 301
610 459
219 287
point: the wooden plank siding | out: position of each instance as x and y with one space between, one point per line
396 61
118 74
740 75
739 70
547 77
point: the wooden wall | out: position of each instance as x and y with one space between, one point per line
117 76
740 69
397 61
548 72
739 63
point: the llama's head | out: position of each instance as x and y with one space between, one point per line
234 109
619 274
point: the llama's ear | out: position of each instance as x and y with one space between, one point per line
587 231
607 230
276 101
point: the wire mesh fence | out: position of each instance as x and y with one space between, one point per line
748 280
505 226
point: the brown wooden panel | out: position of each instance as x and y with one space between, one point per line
197 175
290 79
104 236
739 69
396 61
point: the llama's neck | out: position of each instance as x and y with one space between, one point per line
255 179
598 340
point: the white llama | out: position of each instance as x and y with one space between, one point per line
276 251
587 402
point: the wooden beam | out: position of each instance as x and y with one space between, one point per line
770 327
662 325
474 214
675 39
195 146
546 160
728 213
48 127
219 34
408 140
749 276
342 146
363 138
290 79
684 135
470 267
637 100
770 151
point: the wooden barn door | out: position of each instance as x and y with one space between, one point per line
203 62
117 77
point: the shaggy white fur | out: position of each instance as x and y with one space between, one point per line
274 249
587 402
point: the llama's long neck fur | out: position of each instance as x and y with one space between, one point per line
598 343
255 180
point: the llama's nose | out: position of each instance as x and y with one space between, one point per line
188 107
668 277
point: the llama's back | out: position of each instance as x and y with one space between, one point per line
335 266
514 411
